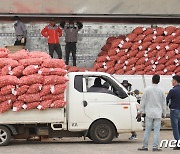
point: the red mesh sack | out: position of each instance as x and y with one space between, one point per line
122 59
152 54
177 70
110 39
139 38
106 47
6 70
121 37
101 70
149 38
54 79
39 54
170 68
82 69
58 104
135 46
171 61
126 45
110 64
21 54
113 51
130 37
160 67
132 53
121 53
34 88
162 60
131 61
141 54
144 45
161 53
5 106
31 69
17 106
140 72
7 90
31 79
142 60
31 61
128 68
53 63
169 30
102 53
98 65
150 61
159 31
139 67
58 71
113 58
158 39
153 46
3 54
150 73
53 97
161 46
28 98
8 61
139 30
45 71
148 68
176 33
45 105
22 90
160 73
169 73
176 40
131 72
4 50
148 31
45 90
111 70
115 43
30 106
8 80
119 72
101 59
58 89
168 38
171 47
73 69
118 66
170 54
17 71
7 98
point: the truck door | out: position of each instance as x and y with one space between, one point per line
112 104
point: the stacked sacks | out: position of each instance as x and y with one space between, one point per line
144 51
31 80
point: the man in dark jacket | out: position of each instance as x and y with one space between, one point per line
173 100
53 33
71 29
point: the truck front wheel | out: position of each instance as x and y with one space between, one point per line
5 135
102 131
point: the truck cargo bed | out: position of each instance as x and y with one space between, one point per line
32 116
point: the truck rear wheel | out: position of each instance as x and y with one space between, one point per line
102 131
5 135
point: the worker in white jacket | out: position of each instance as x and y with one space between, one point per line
153 104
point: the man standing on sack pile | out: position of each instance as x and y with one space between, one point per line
21 32
53 33
71 29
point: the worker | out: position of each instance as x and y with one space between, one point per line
97 85
53 33
71 29
20 30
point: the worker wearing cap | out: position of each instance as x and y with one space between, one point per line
53 33
20 31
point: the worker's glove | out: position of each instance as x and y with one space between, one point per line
23 40
138 117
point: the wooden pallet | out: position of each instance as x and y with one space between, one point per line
13 49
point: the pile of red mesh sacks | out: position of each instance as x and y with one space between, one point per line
31 80
144 51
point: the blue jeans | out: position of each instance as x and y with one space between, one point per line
148 127
175 123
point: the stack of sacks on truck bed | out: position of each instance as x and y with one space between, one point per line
144 51
31 80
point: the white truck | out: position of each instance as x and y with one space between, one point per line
99 116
